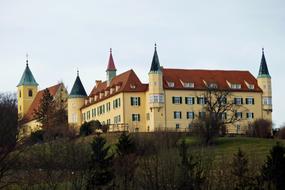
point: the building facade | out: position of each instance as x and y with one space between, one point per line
171 100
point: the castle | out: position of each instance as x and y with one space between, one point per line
172 99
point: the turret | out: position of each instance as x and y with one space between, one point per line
27 90
111 68
156 94
264 82
75 102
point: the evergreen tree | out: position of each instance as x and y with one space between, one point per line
100 167
45 112
126 161
240 170
273 171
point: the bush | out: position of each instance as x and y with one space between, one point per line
260 128
88 128
281 133
37 136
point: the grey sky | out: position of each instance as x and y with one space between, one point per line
61 36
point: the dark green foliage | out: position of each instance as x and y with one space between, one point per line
240 170
45 112
191 174
273 171
125 162
100 167
260 128
37 136
87 128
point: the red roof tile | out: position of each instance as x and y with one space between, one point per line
35 105
219 77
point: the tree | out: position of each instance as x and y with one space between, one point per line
87 128
45 112
273 171
260 128
126 161
220 111
240 170
8 138
100 167
191 174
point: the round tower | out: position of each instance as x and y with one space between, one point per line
156 95
75 102
264 82
27 90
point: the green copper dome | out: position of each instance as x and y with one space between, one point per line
77 90
28 78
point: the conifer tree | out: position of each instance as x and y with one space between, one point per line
126 161
240 170
273 171
45 112
100 167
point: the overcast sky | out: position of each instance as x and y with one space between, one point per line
61 36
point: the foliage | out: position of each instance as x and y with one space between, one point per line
88 128
273 171
281 133
125 162
37 136
100 168
260 128
240 170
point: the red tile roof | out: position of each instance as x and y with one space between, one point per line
35 105
125 80
219 77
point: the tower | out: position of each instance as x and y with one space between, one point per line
27 90
111 69
264 82
75 101
156 94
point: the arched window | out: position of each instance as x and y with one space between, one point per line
30 93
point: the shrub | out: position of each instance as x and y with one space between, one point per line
37 136
260 128
281 133
88 128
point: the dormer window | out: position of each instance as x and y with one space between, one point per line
132 86
188 84
117 88
96 97
101 95
235 86
90 99
251 86
111 90
213 85
106 93
170 84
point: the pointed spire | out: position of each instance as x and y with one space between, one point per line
155 65
263 69
111 65
27 77
77 90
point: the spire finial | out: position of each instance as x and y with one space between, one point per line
110 50
155 46
27 59
263 50
77 72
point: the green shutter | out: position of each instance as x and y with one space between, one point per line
139 101
132 101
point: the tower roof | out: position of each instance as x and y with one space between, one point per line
155 66
111 65
263 69
77 90
27 77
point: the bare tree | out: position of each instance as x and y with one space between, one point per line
220 110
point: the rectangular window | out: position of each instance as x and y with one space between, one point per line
189 100
190 115
202 115
156 98
88 115
239 115
249 101
177 115
250 115
236 86
176 100
135 101
135 117
117 119
223 116
267 101
188 85
84 116
238 101
177 126
147 116
108 107
201 100
108 121
117 103
74 117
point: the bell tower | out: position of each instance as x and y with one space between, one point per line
264 82
111 68
27 90
156 95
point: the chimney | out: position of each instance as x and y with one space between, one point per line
97 82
